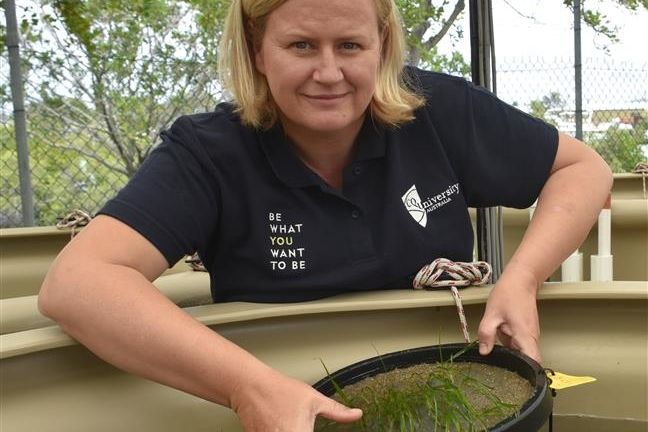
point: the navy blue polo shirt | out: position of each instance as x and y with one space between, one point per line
269 229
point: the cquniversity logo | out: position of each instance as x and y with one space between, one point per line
413 204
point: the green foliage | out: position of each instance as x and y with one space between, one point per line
9 189
62 180
541 108
75 17
598 21
621 148
620 145
425 24
134 65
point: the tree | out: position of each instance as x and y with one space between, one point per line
62 180
116 71
598 21
548 107
621 147
425 24
620 144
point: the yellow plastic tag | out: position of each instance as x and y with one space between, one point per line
561 381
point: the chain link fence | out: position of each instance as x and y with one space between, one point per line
82 153
614 102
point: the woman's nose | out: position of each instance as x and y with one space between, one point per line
328 68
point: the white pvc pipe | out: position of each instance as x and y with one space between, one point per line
602 263
572 268
605 232
601 266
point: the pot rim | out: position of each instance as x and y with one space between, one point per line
531 416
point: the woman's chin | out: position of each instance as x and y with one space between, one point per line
330 124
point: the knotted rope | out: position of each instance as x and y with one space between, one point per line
78 218
75 219
442 273
195 263
642 168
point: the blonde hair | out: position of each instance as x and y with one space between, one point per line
393 103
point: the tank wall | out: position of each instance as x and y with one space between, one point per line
68 388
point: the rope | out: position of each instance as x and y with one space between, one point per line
75 219
195 263
442 273
642 168
78 218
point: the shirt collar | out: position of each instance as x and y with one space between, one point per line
370 143
288 167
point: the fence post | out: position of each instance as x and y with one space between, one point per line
489 219
20 123
578 71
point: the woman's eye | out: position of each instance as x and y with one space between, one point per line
301 45
349 45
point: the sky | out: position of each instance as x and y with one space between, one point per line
551 33
548 35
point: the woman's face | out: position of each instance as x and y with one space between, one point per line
321 60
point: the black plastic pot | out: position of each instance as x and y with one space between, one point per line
533 414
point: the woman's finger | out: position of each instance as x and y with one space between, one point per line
487 333
335 411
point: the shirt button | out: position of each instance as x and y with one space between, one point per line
357 170
355 214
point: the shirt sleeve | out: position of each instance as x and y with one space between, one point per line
172 199
502 155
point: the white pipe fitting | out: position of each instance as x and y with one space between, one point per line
602 263
572 268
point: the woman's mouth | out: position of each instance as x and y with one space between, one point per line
326 100
326 96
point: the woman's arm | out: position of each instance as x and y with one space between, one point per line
569 203
99 290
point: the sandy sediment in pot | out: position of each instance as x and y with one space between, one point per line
462 396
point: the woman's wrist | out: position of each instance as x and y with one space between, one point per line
252 384
519 275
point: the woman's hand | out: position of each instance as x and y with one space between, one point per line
278 403
569 203
511 315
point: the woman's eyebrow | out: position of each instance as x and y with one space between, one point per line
310 36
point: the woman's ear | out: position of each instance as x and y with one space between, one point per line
258 61
383 39
385 33
255 47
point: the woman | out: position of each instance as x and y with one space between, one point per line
327 175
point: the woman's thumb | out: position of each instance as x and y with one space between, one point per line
335 411
487 333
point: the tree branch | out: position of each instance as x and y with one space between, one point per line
531 17
434 40
89 155
96 132
113 130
